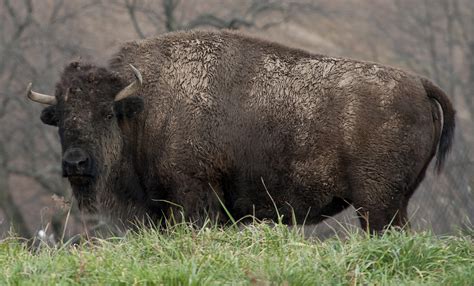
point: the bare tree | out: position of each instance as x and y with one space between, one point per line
31 45
16 25
170 15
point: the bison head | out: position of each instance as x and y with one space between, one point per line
89 104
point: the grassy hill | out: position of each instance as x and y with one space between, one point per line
258 254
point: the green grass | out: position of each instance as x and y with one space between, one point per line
258 254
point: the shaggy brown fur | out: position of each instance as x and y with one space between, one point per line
223 112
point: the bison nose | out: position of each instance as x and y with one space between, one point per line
76 162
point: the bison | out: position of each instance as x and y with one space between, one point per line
219 124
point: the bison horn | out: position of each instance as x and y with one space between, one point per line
39 97
131 88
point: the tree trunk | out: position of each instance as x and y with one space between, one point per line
7 204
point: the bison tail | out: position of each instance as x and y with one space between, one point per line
447 122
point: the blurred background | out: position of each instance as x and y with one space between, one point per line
434 38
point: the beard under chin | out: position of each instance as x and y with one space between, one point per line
85 196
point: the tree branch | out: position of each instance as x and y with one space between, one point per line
131 8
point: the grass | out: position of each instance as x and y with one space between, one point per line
257 254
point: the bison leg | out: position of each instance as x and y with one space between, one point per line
388 210
376 220
198 202
336 206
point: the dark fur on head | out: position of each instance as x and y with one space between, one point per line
88 118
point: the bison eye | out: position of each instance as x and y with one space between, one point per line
109 116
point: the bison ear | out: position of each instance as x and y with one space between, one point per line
48 116
128 107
